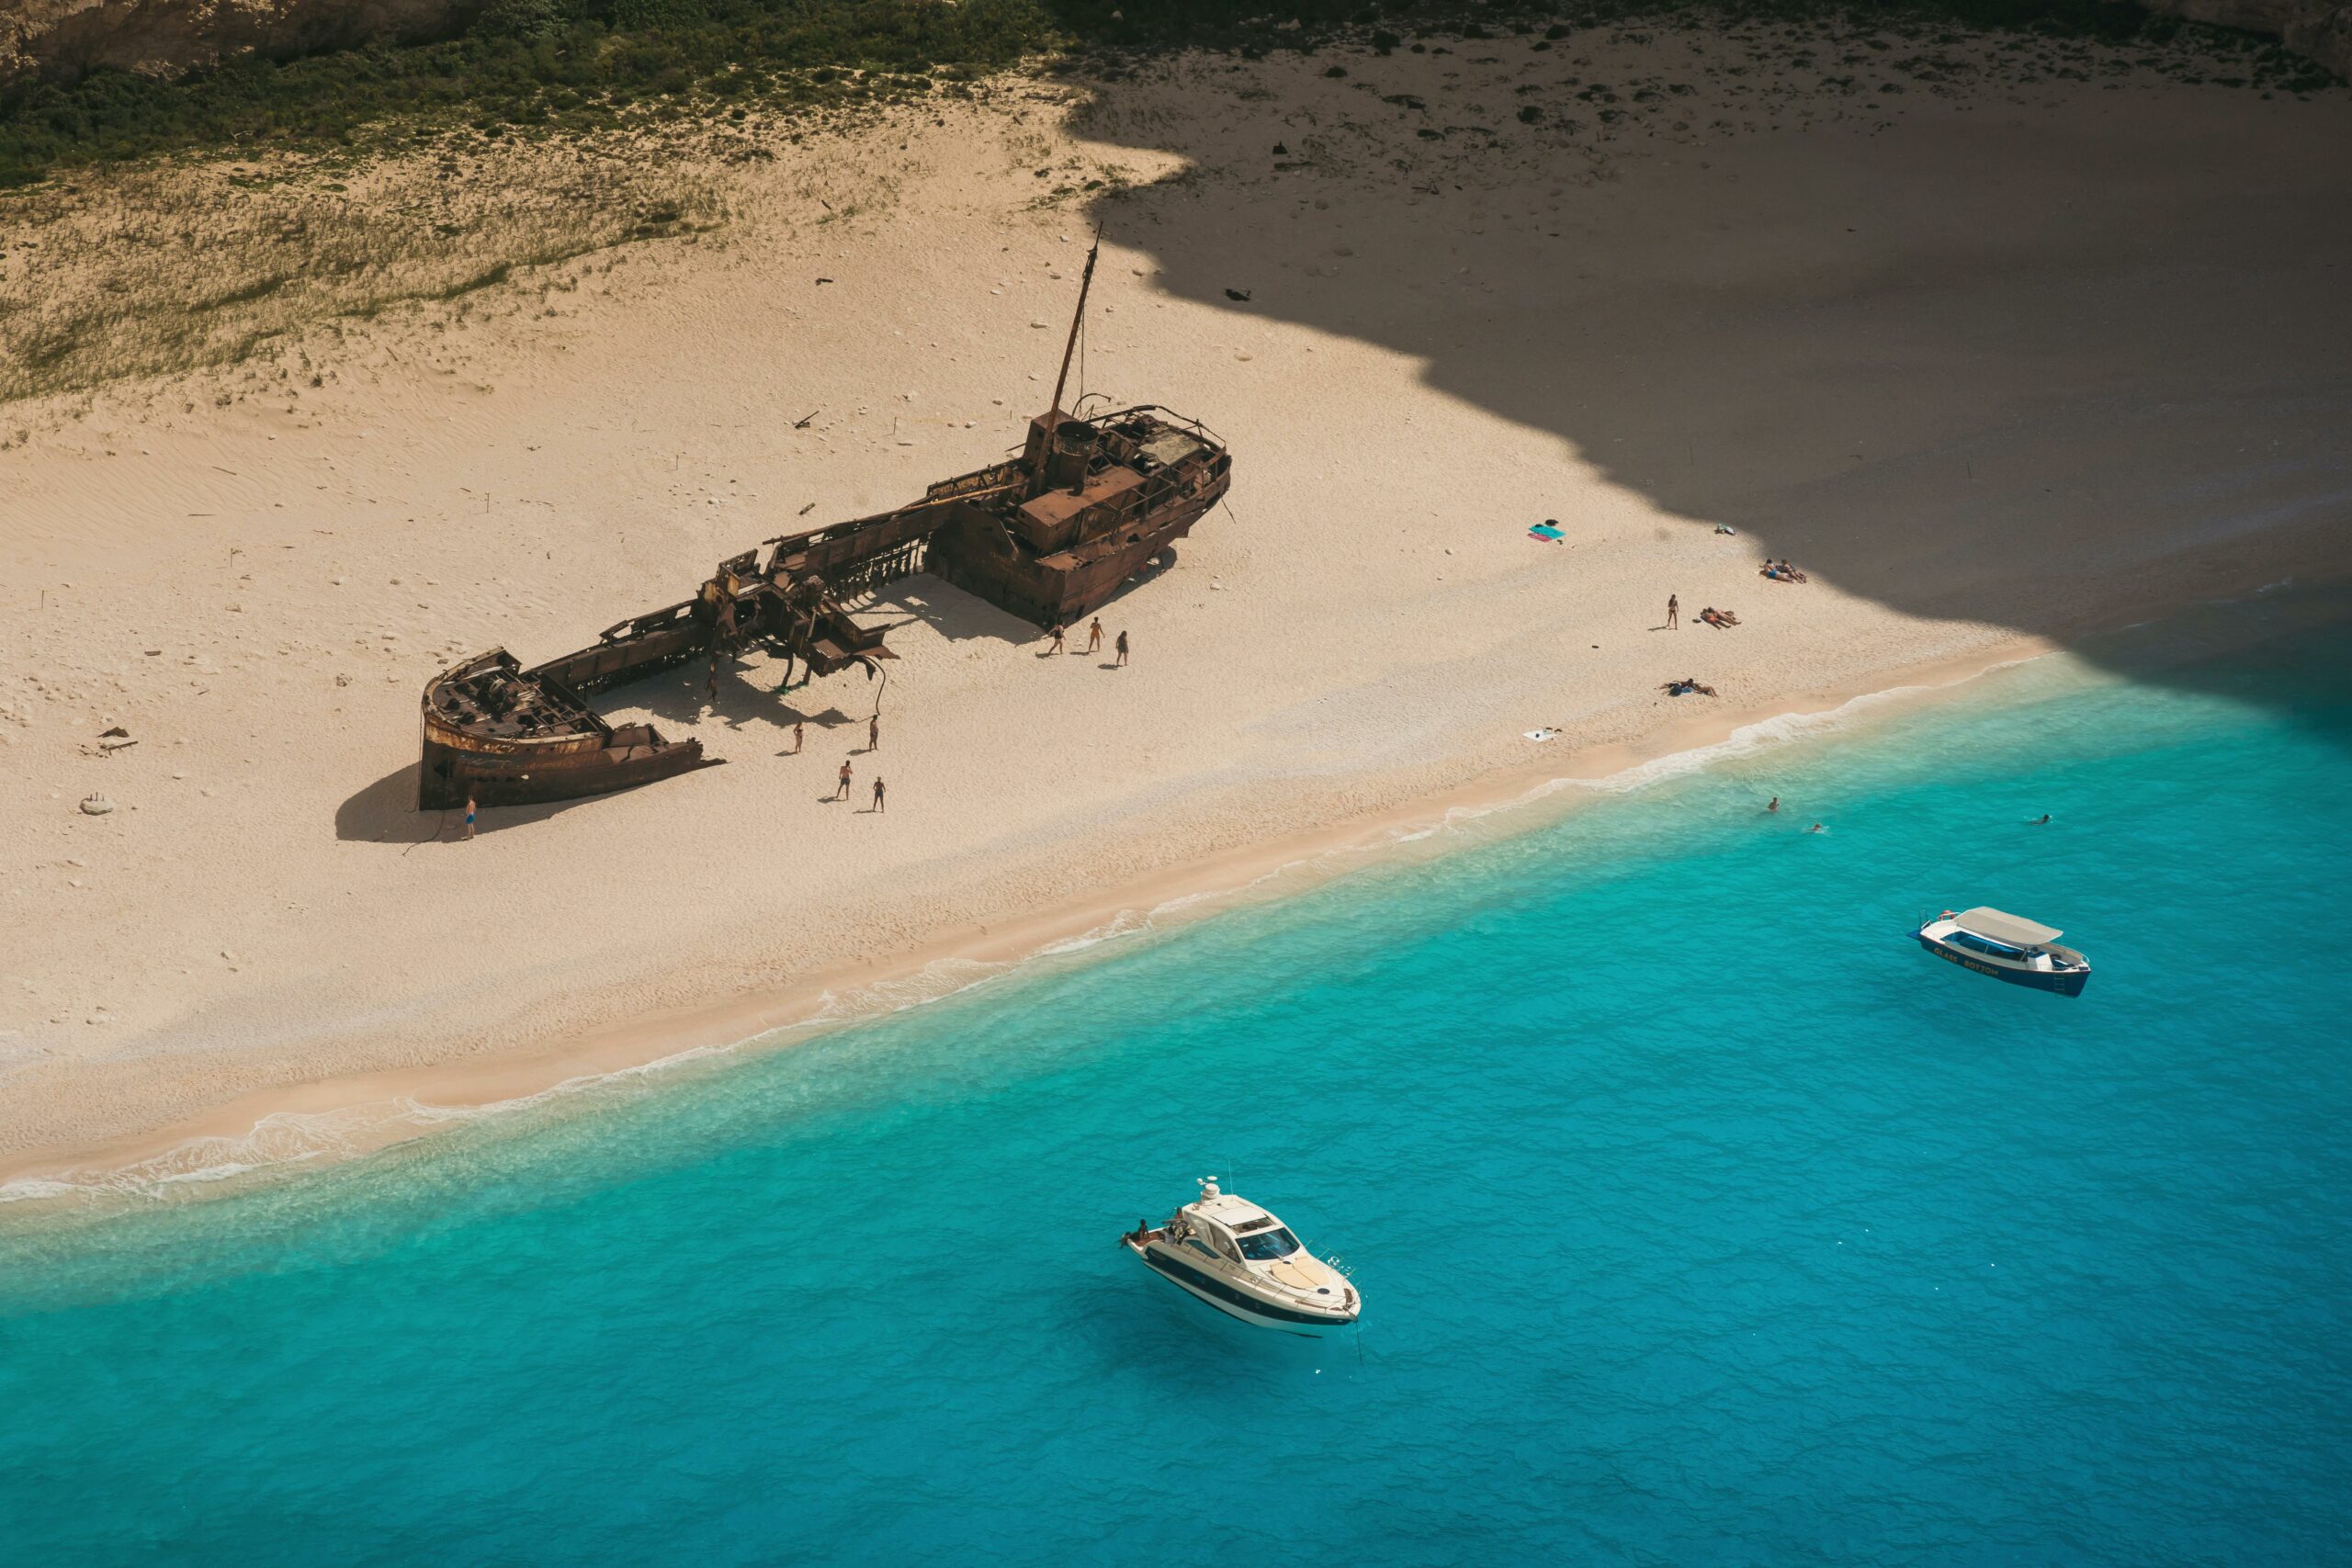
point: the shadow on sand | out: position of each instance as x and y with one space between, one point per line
384 813
2000 367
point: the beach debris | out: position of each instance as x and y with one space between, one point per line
118 732
95 806
1241 295
823 280
808 509
1280 150
802 423
1540 736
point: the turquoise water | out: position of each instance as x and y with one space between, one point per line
1700 1218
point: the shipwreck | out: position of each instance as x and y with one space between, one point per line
1049 535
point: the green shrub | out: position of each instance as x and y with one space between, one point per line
528 19
572 63
657 15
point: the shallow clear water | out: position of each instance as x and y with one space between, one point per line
1700 1216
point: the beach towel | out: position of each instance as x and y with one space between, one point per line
1545 532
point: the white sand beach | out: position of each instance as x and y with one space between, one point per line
1995 365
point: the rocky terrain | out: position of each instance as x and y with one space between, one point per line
69 36
2319 29
166 36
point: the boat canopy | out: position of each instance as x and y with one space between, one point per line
1233 1213
2014 930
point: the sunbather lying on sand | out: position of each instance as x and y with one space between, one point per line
1719 619
1685 686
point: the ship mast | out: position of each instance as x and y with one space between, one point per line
1084 283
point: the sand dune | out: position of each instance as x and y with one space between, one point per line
2002 359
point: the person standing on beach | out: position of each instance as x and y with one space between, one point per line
1123 649
841 791
1673 613
1057 636
714 675
878 794
1094 634
800 734
470 815
874 733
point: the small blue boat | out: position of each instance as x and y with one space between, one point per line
2008 947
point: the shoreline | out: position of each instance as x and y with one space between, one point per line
347 1117
275 1133
255 952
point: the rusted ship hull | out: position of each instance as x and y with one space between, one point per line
563 753
1050 536
522 781
1046 592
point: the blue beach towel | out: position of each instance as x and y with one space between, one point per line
1545 532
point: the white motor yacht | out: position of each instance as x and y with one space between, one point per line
2008 947
1242 1261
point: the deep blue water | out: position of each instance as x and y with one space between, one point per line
1699 1217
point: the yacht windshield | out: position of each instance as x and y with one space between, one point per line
1267 1246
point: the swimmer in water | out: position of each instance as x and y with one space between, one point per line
1773 803
2041 821
1816 828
